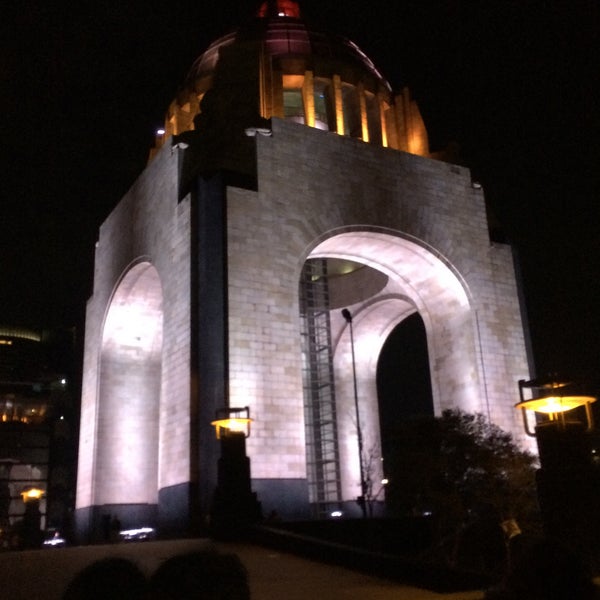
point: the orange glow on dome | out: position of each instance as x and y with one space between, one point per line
279 8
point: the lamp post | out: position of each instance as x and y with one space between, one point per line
568 483
234 506
362 499
560 432
31 524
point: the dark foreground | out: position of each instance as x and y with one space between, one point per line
272 574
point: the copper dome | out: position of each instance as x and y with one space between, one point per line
277 66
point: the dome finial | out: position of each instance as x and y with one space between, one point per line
279 8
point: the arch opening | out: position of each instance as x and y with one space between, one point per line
386 281
130 391
403 380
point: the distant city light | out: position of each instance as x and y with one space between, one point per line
336 514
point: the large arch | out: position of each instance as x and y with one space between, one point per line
403 381
129 391
419 280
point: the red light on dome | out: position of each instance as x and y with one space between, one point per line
279 8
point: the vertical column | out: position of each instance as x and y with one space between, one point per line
265 74
210 369
308 96
339 104
407 119
364 121
400 123
382 103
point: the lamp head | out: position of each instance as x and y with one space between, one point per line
552 398
232 421
32 494
552 405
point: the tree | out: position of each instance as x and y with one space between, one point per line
459 469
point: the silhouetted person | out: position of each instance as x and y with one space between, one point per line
31 534
200 576
105 524
273 518
481 545
108 579
115 529
543 569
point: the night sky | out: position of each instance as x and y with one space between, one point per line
515 83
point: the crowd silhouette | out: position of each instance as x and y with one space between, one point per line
191 576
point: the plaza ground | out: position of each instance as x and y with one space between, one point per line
44 574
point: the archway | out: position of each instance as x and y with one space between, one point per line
394 277
403 381
130 391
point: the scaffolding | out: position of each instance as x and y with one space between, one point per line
322 448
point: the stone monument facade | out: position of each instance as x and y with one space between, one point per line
286 148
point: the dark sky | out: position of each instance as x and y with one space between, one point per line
514 82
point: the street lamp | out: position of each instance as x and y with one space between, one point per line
32 494
548 398
559 430
362 499
232 421
31 524
568 483
235 506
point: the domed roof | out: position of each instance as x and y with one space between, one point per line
275 66
278 25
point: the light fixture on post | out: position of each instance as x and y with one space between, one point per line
232 421
234 506
559 427
31 527
552 402
568 483
362 499
32 495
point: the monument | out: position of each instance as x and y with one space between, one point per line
289 183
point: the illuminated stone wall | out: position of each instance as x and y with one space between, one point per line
422 223
138 413
196 283
417 221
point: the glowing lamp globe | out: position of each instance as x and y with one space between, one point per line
32 494
552 403
232 421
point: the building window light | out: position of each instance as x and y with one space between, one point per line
293 106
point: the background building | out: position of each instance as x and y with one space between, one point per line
37 429
289 183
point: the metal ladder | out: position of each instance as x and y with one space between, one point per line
322 448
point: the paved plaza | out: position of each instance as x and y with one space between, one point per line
44 574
